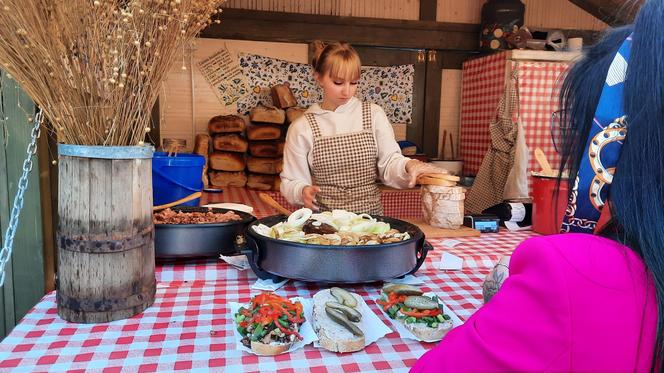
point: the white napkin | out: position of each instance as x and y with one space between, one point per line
306 330
406 334
450 262
267 285
407 280
373 328
240 262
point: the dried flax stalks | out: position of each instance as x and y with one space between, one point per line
95 67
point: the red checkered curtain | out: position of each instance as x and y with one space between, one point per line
539 86
484 81
483 84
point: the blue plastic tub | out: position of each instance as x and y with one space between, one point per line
176 177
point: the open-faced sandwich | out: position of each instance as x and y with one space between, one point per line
421 315
269 324
336 320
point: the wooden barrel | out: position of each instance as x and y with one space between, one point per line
105 234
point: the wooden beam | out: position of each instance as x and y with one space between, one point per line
304 28
613 12
428 10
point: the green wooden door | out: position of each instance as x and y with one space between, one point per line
24 281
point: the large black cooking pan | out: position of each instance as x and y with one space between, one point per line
270 258
199 240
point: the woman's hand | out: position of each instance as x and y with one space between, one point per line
415 168
309 196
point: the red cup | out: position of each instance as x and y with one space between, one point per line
548 211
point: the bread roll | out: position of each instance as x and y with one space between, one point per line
267 114
226 123
223 161
268 149
282 96
293 113
263 132
428 334
230 143
270 166
263 182
331 335
222 179
202 145
269 349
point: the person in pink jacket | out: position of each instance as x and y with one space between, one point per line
591 299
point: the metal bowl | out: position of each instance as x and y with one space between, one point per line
199 240
271 257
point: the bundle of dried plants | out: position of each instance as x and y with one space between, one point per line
95 67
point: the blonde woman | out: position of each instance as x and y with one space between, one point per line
340 148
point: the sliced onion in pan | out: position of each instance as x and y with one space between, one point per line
299 217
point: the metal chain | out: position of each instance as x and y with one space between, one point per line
6 253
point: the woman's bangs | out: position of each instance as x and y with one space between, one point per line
345 67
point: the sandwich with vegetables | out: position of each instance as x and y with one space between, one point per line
336 320
421 315
269 324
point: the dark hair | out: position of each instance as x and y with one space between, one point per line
637 191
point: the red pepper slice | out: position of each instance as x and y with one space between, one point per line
287 331
420 313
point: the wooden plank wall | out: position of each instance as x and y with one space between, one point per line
539 13
391 9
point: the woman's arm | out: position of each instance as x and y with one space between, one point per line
524 327
296 174
391 163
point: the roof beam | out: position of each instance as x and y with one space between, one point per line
613 12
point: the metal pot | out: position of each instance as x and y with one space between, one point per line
199 240
271 258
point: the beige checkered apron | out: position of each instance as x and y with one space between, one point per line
345 168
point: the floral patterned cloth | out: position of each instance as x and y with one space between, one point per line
389 87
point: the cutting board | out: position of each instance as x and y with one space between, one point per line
434 232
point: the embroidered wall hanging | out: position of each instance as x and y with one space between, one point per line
225 77
389 87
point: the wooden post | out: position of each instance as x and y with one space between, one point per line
105 238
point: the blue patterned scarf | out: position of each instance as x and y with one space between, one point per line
605 139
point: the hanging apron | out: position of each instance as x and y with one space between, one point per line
345 168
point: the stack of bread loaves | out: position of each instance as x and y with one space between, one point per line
260 152
227 161
266 147
266 139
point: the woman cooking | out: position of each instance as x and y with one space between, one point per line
336 152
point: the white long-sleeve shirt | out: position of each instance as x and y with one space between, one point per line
347 118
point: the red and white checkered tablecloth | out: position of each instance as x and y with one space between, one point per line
483 251
400 204
188 327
